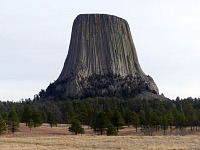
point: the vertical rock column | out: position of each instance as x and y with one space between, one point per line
100 44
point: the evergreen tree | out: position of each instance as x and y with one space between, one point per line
165 123
76 127
117 120
2 126
109 113
100 123
44 116
143 118
30 124
155 120
111 130
190 114
198 119
5 117
135 120
170 118
180 119
128 117
27 114
13 121
51 120
37 118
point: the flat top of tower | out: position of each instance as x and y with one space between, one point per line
99 16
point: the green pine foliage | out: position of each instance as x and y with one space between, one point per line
27 114
99 113
13 121
111 130
100 123
135 120
51 120
37 118
2 125
118 120
76 127
30 124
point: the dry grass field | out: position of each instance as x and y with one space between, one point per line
46 138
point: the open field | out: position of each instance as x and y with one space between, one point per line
46 138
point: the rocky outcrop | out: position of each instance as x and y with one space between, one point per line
101 61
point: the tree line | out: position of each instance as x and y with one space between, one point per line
103 115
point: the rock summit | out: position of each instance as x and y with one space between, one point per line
101 61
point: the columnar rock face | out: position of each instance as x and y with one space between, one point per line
101 61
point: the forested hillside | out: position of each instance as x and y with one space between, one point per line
103 114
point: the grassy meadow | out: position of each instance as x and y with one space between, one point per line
47 138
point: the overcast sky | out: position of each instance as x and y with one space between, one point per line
35 36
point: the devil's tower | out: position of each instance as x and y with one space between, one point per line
101 61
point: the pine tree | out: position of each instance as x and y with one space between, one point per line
100 123
170 118
118 120
135 120
165 123
30 124
111 130
13 121
76 127
128 117
37 118
27 114
2 126
180 119
191 116
155 120
143 118
51 120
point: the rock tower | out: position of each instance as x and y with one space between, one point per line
101 61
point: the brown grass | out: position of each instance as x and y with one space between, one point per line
54 138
